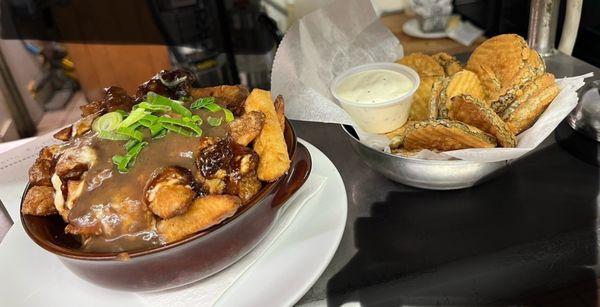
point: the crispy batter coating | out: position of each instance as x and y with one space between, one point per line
280 110
463 82
438 93
229 96
397 136
75 161
498 62
80 127
525 115
270 144
472 111
244 129
450 64
170 192
446 135
203 213
39 201
423 64
530 90
41 172
64 134
420 107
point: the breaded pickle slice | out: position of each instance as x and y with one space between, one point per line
450 64
444 135
419 109
463 82
423 64
474 112
527 111
497 62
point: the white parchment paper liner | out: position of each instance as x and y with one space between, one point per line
348 33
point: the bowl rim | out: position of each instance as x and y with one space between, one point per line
92 256
416 160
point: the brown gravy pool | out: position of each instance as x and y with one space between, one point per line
105 186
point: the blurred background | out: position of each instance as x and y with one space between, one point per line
56 55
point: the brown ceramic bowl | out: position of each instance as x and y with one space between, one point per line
185 261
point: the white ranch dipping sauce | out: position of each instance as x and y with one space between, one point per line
374 86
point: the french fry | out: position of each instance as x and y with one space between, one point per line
203 213
280 110
270 144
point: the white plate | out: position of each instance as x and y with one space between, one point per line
411 27
33 277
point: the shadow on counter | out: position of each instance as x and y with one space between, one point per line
510 240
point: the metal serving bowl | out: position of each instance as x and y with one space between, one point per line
426 174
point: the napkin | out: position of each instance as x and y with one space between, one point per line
348 33
208 291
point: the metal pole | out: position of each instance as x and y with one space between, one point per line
543 18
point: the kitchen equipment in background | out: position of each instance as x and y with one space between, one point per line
432 15
586 116
57 84
221 42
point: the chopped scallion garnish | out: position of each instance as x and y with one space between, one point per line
176 106
134 117
107 122
214 121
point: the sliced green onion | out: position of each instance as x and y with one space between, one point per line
153 107
179 130
124 163
196 118
214 121
123 113
155 129
213 107
134 117
180 122
161 133
110 135
107 122
131 133
130 144
148 120
228 115
202 102
175 105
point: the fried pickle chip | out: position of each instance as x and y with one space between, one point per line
420 107
444 135
472 111
203 213
528 111
397 136
437 94
423 64
531 89
450 64
463 82
498 62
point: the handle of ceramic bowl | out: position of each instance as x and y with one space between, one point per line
299 170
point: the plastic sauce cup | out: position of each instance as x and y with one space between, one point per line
378 117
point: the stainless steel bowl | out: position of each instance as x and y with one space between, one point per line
426 174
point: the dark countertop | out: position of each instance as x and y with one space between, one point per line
529 231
